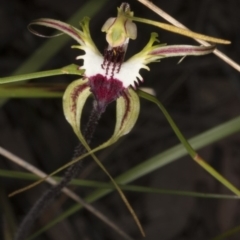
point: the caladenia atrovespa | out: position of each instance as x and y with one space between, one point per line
108 77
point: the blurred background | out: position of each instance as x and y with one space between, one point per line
199 93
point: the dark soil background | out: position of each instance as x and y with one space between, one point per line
199 93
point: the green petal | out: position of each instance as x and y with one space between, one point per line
82 37
58 25
153 53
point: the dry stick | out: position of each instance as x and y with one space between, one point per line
174 22
19 161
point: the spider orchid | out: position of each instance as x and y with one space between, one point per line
108 77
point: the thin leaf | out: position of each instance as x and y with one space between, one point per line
107 185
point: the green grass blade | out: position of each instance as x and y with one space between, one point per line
7 217
41 90
215 134
107 185
188 147
70 69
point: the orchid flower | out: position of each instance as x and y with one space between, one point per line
107 76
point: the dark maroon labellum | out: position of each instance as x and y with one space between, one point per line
105 90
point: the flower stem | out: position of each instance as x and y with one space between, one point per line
55 190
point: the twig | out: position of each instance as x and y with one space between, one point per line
174 22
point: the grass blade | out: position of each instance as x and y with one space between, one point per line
215 134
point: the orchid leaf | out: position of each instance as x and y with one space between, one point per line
180 31
188 147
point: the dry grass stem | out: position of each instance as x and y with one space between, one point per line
19 161
174 22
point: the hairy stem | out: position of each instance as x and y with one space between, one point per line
55 190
